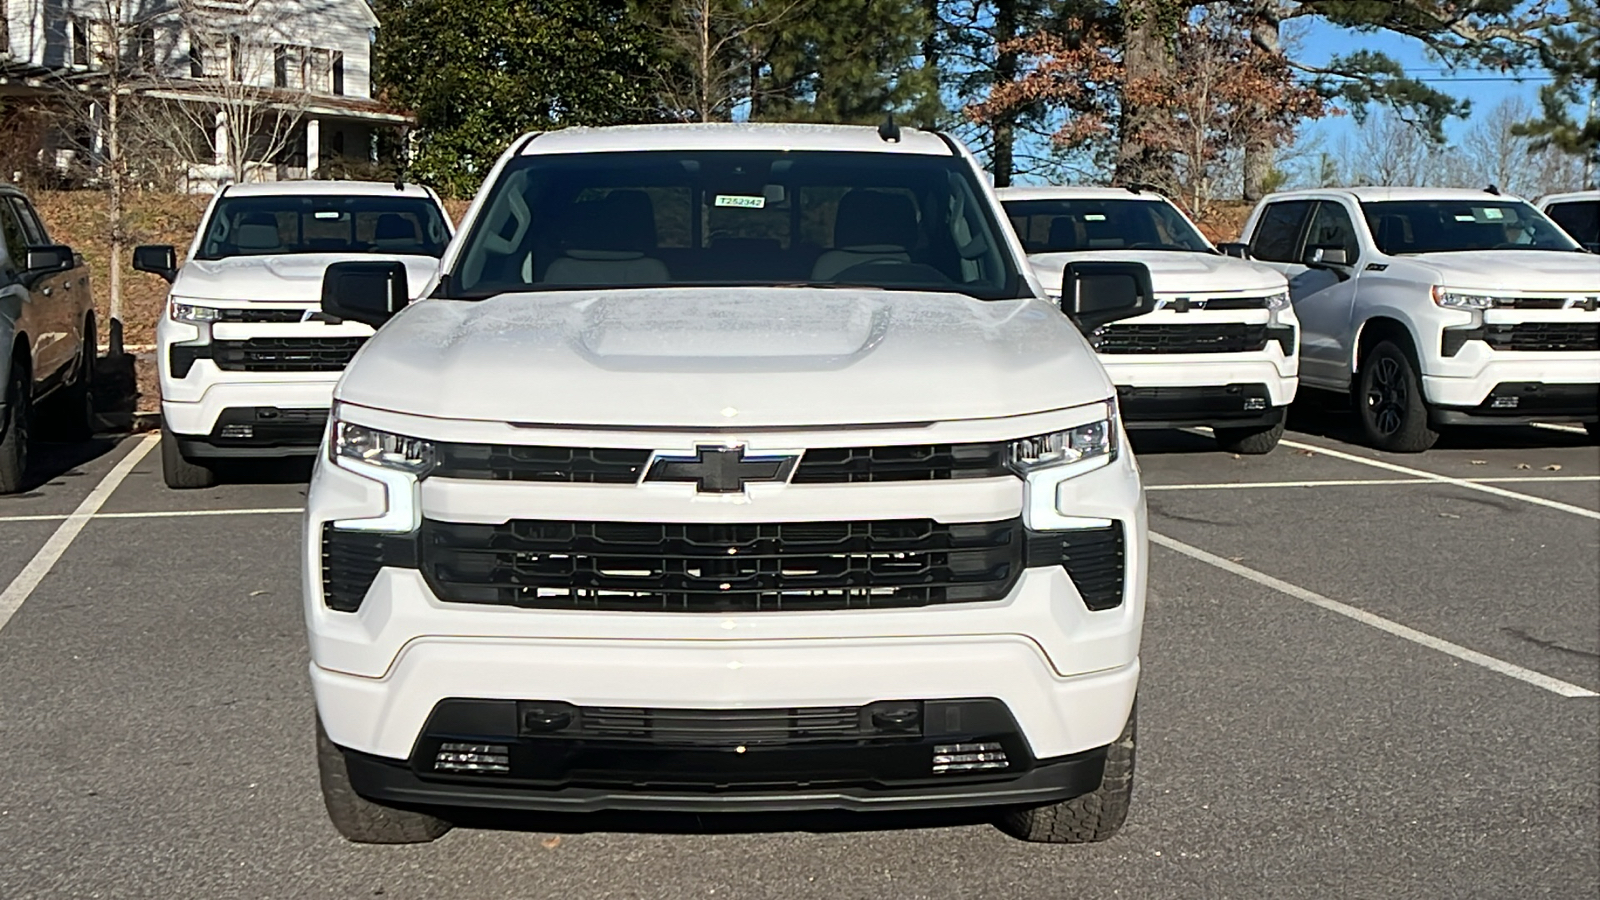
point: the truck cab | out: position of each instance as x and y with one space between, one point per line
1220 348
1436 307
727 467
247 360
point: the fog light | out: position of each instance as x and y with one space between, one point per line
1504 402
238 431
494 759
1255 403
968 757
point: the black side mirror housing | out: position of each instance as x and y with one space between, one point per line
1235 249
1096 293
157 259
366 292
51 258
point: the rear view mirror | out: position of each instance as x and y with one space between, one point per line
1235 250
367 292
157 259
52 258
1097 293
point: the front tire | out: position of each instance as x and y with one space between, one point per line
358 819
1091 818
17 425
1250 441
180 472
1389 401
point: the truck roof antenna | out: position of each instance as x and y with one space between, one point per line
1493 189
889 131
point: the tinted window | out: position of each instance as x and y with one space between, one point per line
1064 226
1443 226
1331 227
259 226
16 241
31 226
662 218
1579 218
1277 235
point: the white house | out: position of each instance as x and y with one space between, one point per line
241 89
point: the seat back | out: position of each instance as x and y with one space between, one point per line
869 226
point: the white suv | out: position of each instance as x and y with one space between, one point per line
246 357
1220 347
727 467
1436 307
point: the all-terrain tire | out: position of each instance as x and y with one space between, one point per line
1389 402
360 820
71 416
1093 817
17 428
1250 441
180 472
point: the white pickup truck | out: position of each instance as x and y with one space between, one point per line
1578 214
722 468
1436 307
1220 347
247 360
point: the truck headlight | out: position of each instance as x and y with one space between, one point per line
1086 446
1453 299
180 311
359 443
1278 302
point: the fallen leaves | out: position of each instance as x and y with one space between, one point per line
551 843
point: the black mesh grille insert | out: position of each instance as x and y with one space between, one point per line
285 354
722 727
515 462
258 314
722 567
1220 337
350 560
919 462
1544 336
1095 560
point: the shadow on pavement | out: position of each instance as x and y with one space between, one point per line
56 464
715 823
1330 416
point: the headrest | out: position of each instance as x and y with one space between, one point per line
394 227
1066 233
621 220
875 219
256 231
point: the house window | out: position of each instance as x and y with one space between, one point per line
197 57
78 37
338 72
145 47
280 66
235 58
321 74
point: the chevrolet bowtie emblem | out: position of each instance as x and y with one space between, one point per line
717 469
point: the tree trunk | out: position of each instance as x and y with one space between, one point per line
115 171
1258 147
1148 34
704 61
1002 157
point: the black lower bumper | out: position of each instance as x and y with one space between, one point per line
259 431
1525 402
1230 406
552 757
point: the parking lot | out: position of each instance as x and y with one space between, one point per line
1364 676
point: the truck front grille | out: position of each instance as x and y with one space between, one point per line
723 727
518 462
722 567
1220 337
1544 336
286 354
260 314
920 462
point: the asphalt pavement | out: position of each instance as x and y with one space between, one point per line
1365 675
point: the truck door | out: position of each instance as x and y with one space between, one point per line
1324 295
32 320
55 297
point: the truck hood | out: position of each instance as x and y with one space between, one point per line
720 358
1171 272
1516 270
285 278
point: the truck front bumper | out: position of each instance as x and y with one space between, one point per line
266 419
1199 389
1511 388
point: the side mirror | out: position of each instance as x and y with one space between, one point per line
1320 257
1235 250
1095 293
367 292
157 259
53 258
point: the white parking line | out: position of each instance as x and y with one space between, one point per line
166 514
1356 482
1511 670
1444 479
22 586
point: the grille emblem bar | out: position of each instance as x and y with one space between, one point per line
722 469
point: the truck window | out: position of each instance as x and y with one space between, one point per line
284 224
1067 225
1331 227
16 242
1579 218
709 217
1450 226
31 226
1277 234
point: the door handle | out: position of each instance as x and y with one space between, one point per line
46 292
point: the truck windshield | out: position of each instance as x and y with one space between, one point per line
1579 218
269 225
1068 225
1403 227
702 217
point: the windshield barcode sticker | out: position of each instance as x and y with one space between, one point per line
741 202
